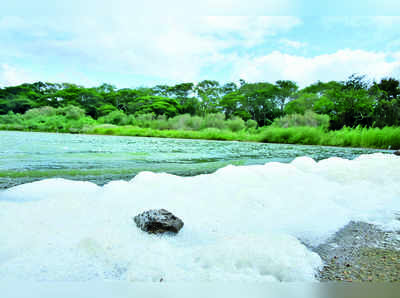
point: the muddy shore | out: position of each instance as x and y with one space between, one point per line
361 252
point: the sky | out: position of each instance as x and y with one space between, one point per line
113 43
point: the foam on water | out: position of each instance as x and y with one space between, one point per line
241 223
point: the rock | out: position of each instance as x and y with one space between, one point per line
158 221
397 152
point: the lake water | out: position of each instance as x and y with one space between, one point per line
256 216
27 157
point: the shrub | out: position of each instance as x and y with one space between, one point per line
235 124
71 112
144 120
180 122
216 120
106 109
40 112
116 117
309 118
160 123
11 118
251 124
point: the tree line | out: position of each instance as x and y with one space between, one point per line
350 103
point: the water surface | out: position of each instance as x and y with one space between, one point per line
27 157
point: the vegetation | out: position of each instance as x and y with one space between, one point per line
350 113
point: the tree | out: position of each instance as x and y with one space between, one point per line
356 82
181 91
20 104
351 108
260 101
106 109
126 98
184 94
161 90
387 106
156 104
232 103
209 94
286 89
303 103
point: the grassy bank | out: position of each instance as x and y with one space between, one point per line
385 138
307 129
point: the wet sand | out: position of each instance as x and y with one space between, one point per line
361 252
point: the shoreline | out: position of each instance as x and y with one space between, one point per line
360 252
203 135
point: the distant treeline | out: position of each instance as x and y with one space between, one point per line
351 103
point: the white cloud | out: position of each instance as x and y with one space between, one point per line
293 43
307 70
175 49
165 47
11 76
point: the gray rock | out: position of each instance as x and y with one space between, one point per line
158 221
397 152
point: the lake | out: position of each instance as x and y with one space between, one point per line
27 157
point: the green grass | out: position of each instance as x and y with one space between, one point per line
388 137
205 134
385 138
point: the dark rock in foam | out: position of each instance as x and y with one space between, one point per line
397 153
158 221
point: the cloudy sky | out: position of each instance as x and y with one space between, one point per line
117 47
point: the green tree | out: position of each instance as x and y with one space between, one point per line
232 104
285 92
184 94
260 100
157 105
209 94
20 104
303 103
387 105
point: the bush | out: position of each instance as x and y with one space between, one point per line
116 117
180 122
160 123
235 124
40 112
195 122
106 109
216 120
11 118
71 112
144 120
309 119
251 124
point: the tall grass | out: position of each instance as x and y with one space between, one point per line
67 119
204 134
180 122
385 138
211 127
309 118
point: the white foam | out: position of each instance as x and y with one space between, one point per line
241 223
